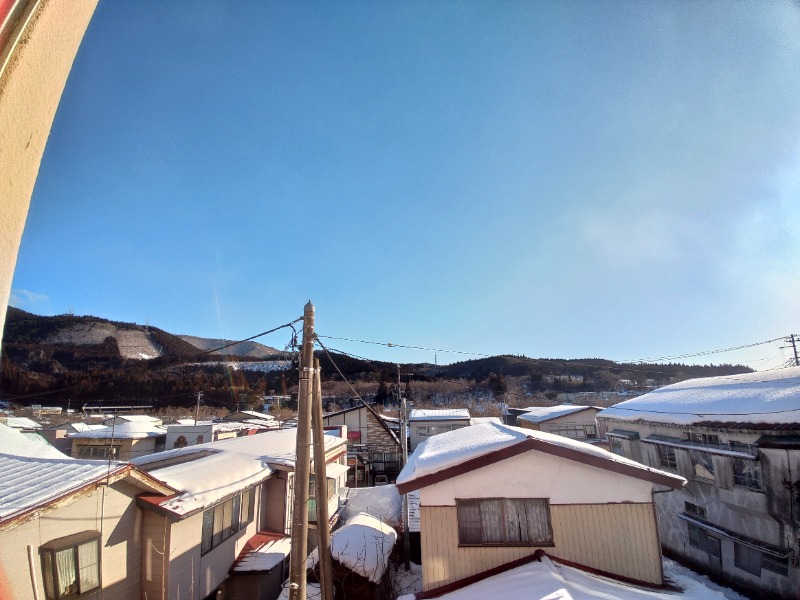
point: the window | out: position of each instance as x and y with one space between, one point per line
747 558
180 442
616 446
312 495
200 439
698 538
71 565
504 522
702 465
694 509
99 452
747 473
707 439
422 431
591 431
666 457
226 518
775 564
575 432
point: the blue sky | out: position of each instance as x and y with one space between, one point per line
554 179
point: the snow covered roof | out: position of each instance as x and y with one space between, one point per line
771 397
546 579
445 414
363 545
268 552
137 419
456 452
479 420
540 414
248 414
22 423
208 473
127 430
33 473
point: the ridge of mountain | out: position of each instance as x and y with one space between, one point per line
243 349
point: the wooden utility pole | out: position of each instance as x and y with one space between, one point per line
404 456
302 468
321 480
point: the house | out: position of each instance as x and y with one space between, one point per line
491 494
570 420
58 435
374 449
736 439
249 416
230 492
188 432
68 527
121 440
424 423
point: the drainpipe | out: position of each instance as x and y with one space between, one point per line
33 573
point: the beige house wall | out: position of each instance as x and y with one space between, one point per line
536 474
617 538
30 90
188 574
111 510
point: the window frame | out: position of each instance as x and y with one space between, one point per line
50 571
667 459
225 519
507 506
741 479
699 458
745 558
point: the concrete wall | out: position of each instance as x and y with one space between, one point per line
110 510
30 90
763 515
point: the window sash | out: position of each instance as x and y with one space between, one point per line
702 465
504 521
72 570
747 473
667 458
747 558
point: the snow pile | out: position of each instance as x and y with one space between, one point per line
766 397
696 585
446 450
383 502
363 545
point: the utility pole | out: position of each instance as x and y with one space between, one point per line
197 409
404 454
321 480
299 549
793 341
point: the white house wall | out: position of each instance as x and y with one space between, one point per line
538 475
120 526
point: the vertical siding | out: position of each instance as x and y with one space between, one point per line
617 538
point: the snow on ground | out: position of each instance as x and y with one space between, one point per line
407 582
455 447
695 584
382 502
761 397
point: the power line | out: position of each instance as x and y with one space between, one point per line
706 352
393 345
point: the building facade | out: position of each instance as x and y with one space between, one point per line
736 439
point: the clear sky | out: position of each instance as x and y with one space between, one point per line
555 179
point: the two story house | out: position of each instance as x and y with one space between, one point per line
736 439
